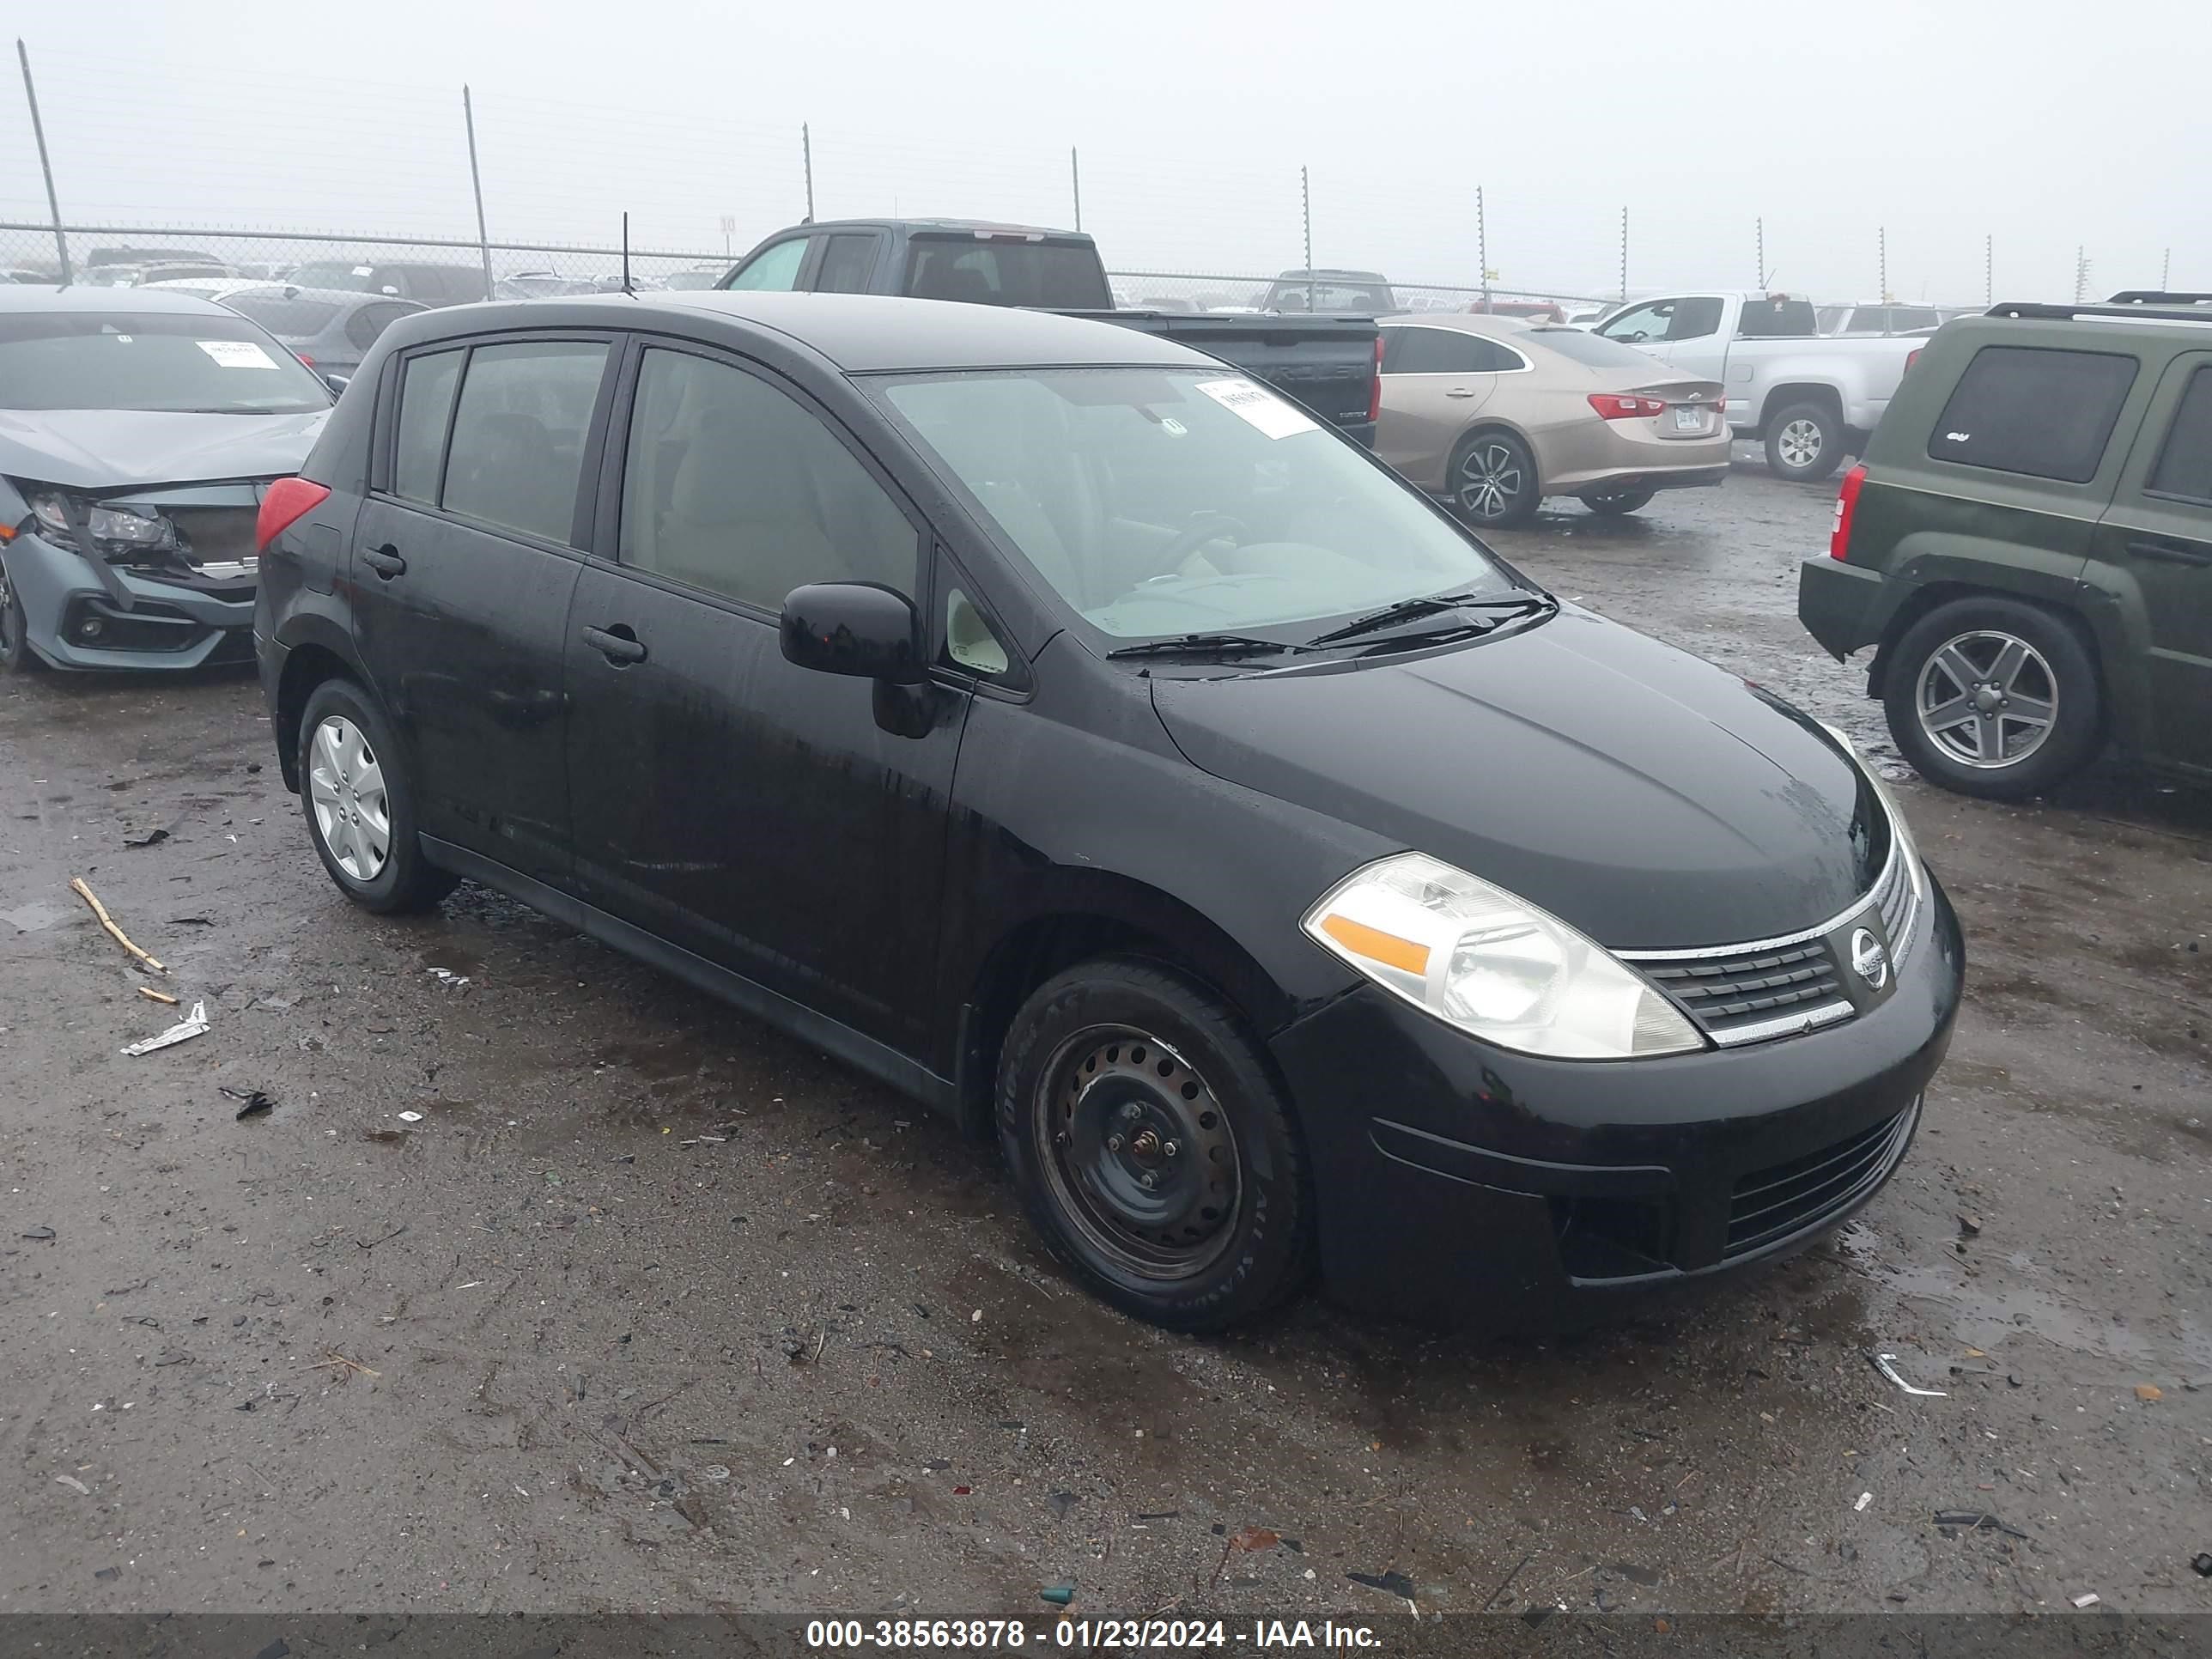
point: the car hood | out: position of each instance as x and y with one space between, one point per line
1631 789
103 449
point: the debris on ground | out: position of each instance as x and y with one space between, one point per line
251 1102
1061 1502
1390 1584
1970 1226
2148 1392
342 1367
153 995
107 1574
42 1234
410 1117
1886 1365
1059 1594
1243 1540
151 838
1975 1520
1865 1498
77 886
2201 1564
74 1485
193 1025
2088 1601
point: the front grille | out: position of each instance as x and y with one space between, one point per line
216 535
1770 1205
1739 997
1898 902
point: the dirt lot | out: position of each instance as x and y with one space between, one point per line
654 1310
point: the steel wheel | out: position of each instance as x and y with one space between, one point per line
1800 442
345 792
1139 1152
1491 479
1986 699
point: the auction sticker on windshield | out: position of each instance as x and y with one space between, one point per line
236 354
1257 405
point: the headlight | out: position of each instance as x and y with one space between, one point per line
114 529
1493 965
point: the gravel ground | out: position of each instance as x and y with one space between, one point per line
650 1308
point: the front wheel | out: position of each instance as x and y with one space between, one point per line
1151 1147
1992 696
1805 442
16 656
1493 479
360 804
1618 502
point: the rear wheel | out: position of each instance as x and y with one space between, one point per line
1992 696
1151 1147
360 804
1493 479
1805 442
16 656
1618 502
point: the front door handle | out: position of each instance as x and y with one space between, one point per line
1460 391
617 644
385 561
2170 553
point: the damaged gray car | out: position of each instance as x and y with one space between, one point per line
137 432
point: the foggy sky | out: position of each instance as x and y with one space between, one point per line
2043 125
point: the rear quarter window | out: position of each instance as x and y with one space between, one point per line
2184 462
2034 411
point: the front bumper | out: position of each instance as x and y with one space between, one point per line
73 619
1459 1184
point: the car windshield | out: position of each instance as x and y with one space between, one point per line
218 364
1591 351
288 318
1168 501
690 279
352 278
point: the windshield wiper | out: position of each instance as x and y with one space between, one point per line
1432 604
1203 645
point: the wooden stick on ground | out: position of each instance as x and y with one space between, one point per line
158 996
77 886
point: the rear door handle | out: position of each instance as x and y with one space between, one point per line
619 644
385 561
1460 391
2170 553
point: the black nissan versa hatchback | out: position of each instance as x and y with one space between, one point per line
1044 718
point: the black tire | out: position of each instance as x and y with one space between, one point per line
1116 1051
1953 656
16 656
1805 442
1619 503
1506 490
402 880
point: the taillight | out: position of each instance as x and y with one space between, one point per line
1847 503
305 358
289 501
1375 384
1615 407
1913 357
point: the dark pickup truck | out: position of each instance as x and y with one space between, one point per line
1329 364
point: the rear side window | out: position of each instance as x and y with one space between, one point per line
426 398
734 487
1051 276
847 263
369 321
1444 351
517 447
2184 464
2030 409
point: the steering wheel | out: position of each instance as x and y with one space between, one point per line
1206 525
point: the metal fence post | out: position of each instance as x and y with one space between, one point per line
1075 182
1988 269
1624 252
1762 253
2166 273
476 183
1482 245
1305 206
46 167
806 157
1882 262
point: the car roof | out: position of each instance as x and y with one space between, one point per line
1467 322
1333 273
861 333
30 296
995 227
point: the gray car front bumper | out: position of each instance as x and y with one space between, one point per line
74 619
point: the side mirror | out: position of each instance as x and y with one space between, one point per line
337 382
855 628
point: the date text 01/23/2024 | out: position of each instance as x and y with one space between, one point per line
1086 1634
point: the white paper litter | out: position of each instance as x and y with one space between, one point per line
410 1117
188 1027
1865 1498
2088 1600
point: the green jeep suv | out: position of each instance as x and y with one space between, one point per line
2027 544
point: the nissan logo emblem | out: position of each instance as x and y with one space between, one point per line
1869 961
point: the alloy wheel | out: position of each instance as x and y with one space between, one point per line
345 789
1139 1152
1986 699
1489 481
1800 443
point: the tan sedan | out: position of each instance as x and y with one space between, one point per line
1497 415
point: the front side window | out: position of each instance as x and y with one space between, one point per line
167 363
426 400
2185 461
1159 501
2030 409
733 486
777 268
517 447
1642 323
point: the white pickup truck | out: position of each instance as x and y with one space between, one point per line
1811 399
